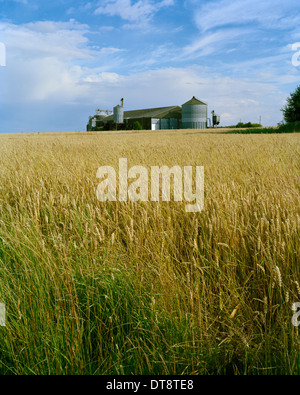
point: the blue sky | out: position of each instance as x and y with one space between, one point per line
65 59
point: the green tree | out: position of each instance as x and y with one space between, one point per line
291 112
137 125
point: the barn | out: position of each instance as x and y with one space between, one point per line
149 119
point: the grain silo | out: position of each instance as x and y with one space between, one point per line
119 113
194 114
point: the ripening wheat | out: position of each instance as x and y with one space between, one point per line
139 288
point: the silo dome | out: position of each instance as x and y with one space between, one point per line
194 114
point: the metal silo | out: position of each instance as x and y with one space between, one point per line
194 114
215 119
118 114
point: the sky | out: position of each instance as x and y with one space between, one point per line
62 60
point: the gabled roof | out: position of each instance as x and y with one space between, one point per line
159 112
194 100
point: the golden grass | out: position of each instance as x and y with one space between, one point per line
118 288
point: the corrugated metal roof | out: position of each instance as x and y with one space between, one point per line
194 100
159 112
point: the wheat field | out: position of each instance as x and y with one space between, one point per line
146 288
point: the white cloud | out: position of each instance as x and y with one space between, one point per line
141 10
268 13
212 42
251 26
102 77
64 40
43 61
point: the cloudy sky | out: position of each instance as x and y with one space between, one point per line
64 59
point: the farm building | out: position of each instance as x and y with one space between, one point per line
150 119
192 115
